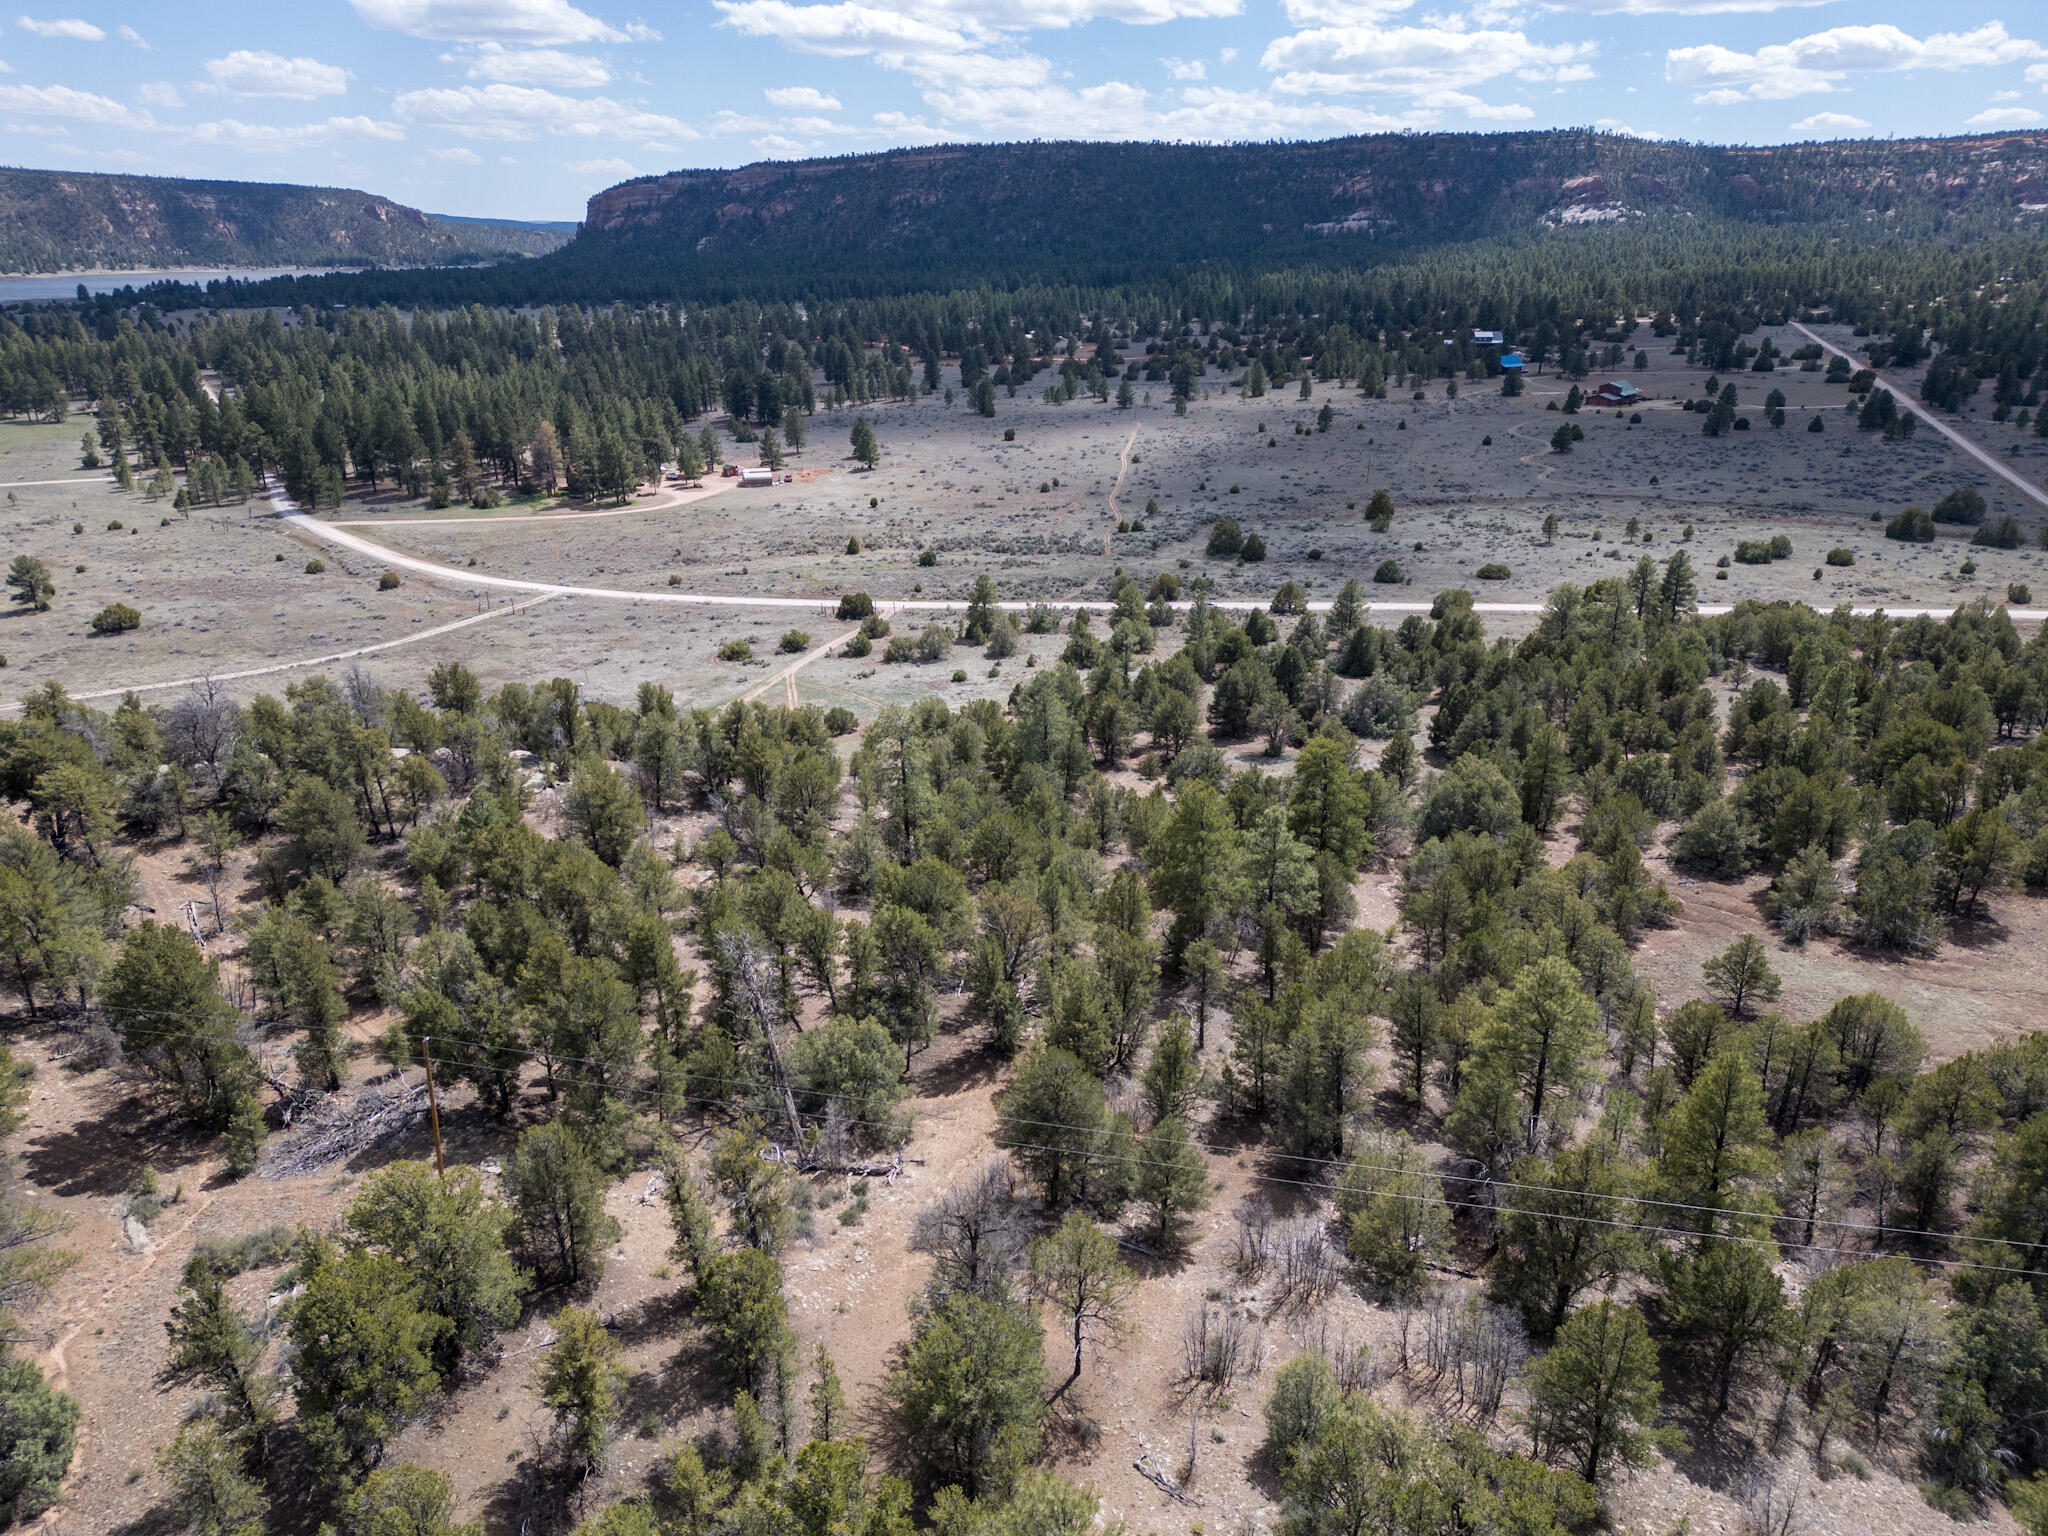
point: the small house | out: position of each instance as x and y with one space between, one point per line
1487 338
1511 362
1615 392
750 477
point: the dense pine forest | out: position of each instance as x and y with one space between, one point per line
454 397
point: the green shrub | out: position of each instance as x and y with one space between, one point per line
1753 552
1389 574
1913 526
736 650
387 581
1963 505
1841 557
928 557
2005 534
841 721
2018 593
859 645
793 641
114 618
315 567
227 1257
855 605
1493 571
902 648
1226 539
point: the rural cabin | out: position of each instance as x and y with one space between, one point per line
1615 392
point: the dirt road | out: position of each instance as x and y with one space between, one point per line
334 534
308 661
787 676
1903 394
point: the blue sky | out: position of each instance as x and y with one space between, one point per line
523 108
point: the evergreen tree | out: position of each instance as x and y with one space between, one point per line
1593 1396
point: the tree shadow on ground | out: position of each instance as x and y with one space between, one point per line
1719 1448
105 1152
972 1062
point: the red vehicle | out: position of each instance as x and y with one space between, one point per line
731 472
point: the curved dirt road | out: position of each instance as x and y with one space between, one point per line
337 535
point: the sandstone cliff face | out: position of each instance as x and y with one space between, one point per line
988 203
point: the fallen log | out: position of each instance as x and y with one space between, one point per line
1161 1481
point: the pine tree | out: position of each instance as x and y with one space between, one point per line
1077 1271
1172 1179
866 451
827 1398
1594 1394
580 1379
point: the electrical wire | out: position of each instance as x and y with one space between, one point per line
1634 1201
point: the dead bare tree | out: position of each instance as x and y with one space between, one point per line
1770 1504
1219 1347
754 991
974 1233
1307 1266
1254 1245
200 730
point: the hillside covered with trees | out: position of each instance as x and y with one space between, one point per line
56 221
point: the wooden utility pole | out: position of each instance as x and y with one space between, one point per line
433 1105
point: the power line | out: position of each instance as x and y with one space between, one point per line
558 1083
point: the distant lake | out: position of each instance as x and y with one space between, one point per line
64 285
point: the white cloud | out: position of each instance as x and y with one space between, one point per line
1506 112
1410 61
229 133
130 35
611 167
2003 96
2003 117
533 66
521 112
2037 74
504 21
980 20
160 93
70 27
776 145
1185 69
1827 122
1225 55
459 156
935 56
801 98
61 101
247 72
1816 63
1343 13
1678 7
